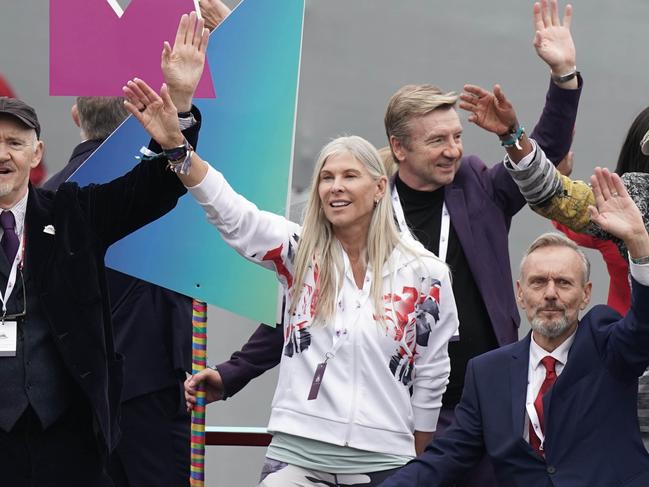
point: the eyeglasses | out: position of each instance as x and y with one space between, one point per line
15 316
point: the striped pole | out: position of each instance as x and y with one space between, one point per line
199 362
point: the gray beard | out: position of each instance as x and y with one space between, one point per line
5 189
550 329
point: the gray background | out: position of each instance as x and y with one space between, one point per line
356 54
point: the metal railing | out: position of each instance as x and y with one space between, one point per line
236 436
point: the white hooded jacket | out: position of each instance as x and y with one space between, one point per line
383 380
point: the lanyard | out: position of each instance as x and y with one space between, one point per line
340 335
11 282
403 226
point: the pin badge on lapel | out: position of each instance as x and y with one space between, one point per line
49 229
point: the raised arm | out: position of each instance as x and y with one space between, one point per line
261 237
182 68
554 44
616 213
627 351
541 185
156 113
493 112
149 190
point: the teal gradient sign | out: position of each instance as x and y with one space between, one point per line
247 134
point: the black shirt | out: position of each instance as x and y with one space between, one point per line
423 213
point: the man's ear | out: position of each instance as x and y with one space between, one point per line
38 154
588 289
519 295
398 149
75 115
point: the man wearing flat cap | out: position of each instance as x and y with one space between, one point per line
59 373
60 376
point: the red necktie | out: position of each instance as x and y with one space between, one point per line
550 378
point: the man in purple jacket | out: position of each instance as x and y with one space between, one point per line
459 208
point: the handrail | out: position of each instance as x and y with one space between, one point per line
236 436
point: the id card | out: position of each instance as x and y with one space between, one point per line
317 380
8 339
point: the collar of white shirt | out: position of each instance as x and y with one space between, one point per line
537 353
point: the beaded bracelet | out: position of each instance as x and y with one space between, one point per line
514 138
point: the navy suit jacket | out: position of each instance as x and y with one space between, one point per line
592 433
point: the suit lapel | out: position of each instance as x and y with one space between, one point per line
39 245
518 376
457 208
575 370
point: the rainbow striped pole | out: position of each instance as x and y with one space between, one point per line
199 362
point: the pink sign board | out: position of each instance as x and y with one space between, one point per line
96 45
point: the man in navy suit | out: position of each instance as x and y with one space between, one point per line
557 408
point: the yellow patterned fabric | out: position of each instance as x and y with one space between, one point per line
570 205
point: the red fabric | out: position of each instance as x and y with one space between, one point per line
550 378
5 89
619 291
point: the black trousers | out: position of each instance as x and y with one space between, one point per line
154 449
65 454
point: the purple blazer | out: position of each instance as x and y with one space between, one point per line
481 201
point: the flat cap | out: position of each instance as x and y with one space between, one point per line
22 111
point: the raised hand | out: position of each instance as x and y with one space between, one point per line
490 111
156 113
214 388
616 212
182 65
213 12
553 40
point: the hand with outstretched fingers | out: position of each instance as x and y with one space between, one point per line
553 40
490 111
616 212
156 113
182 66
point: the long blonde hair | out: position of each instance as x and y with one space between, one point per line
319 247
